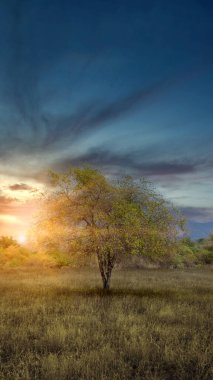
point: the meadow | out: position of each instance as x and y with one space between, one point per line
153 324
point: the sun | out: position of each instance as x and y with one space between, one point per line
22 239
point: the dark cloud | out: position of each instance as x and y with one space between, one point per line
199 221
199 214
22 187
68 129
49 132
199 230
132 161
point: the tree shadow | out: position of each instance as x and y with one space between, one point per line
116 292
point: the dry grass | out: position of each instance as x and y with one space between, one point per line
152 325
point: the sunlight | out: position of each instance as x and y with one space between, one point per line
22 239
11 219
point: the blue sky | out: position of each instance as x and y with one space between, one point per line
126 86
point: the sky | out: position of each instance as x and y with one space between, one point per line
124 86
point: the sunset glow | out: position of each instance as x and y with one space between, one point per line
17 205
22 239
9 219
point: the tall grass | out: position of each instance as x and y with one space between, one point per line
152 325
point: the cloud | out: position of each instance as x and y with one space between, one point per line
199 214
6 203
134 161
22 187
67 129
47 132
199 221
5 200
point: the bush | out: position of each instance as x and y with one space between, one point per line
7 241
192 253
13 256
17 256
205 257
60 258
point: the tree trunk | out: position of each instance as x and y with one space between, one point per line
106 283
105 266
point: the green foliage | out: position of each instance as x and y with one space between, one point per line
108 218
187 242
205 256
208 243
60 258
193 253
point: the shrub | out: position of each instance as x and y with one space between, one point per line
7 241
205 257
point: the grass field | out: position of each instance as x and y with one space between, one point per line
153 324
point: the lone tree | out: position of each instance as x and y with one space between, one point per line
111 218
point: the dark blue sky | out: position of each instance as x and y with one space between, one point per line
126 86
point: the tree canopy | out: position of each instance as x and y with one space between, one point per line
110 218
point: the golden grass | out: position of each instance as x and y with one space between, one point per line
152 325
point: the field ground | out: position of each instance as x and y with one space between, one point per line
152 325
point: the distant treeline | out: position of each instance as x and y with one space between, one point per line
13 255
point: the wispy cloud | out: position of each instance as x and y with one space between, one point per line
199 214
6 203
49 132
22 187
136 161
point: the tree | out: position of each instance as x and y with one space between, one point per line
110 218
7 241
208 243
208 249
